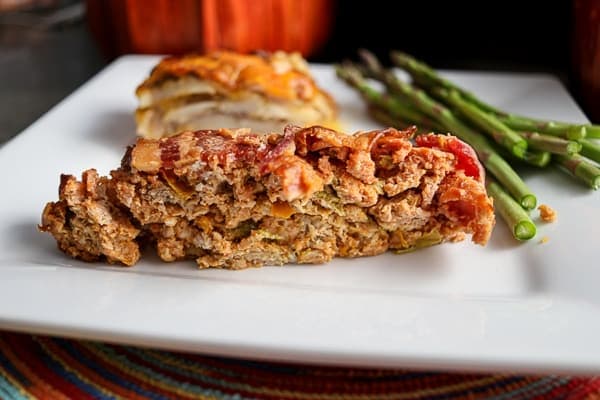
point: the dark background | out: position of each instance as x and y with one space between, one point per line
491 35
41 65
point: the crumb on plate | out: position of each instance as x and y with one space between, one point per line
547 213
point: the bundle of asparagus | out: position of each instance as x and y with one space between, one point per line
436 104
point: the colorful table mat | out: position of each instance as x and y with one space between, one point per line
41 367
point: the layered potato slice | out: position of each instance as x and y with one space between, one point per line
262 92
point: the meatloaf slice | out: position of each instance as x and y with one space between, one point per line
234 199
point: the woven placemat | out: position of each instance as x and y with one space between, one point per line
43 367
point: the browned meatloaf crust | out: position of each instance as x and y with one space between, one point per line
233 199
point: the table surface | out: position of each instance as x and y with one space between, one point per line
46 367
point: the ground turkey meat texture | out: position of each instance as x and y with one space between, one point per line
234 199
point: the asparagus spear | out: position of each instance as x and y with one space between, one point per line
385 118
516 218
590 150
593 131
397 109
581 168
537 158
552 128
511 140
551 144
502 134
493 162
427 76
419 99
416 97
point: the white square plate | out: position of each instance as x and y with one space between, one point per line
516 306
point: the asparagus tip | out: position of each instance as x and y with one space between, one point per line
348 72
370 59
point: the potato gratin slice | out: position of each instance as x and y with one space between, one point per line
231 90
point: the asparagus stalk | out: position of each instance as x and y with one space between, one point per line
385 118
502 134
516 218
551 144
590 149
593 131
581 168
493 162
397 109
416 97
419 99
537 158
552 128
427 76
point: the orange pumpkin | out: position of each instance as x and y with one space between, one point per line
176 27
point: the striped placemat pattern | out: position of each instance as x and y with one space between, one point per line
40 367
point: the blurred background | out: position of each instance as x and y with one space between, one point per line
50 47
